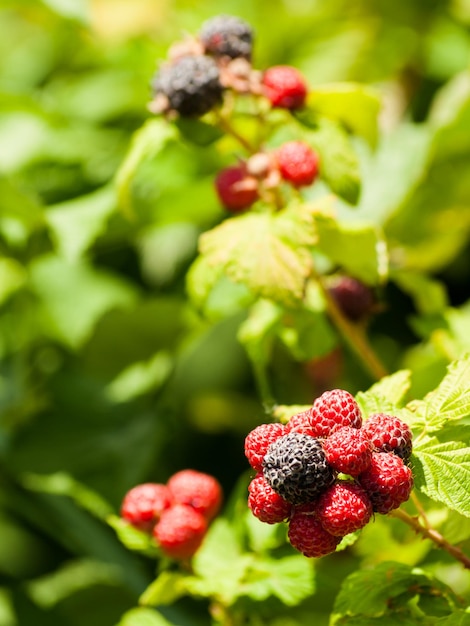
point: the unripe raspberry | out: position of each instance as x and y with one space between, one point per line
236 189
298 163
180 531
143 505
387 481
308 536
333 410
265 503
389 434
225 35
258 441
295 466
354 298
191 85
201 491
348 450
285 87
343 508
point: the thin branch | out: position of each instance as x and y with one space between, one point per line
226 126
433 535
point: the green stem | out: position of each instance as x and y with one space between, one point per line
433 535
263 385
354 336
227 127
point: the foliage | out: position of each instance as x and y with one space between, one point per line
144 330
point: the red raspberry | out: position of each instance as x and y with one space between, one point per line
143 505
180 531
333 410
301 423
344 508
265 503
308 536
348 450
236 189
355 299
389 434
387 481
285 87
201 491
258 441
298 163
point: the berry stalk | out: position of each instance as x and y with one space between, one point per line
353 335
433 535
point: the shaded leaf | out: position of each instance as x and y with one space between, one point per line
165 589
133 538
386 394
144 617
429 295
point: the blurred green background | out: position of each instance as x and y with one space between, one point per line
108 377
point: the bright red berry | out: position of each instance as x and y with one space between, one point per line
298 163
258 441
389 434
236 189
348 450
308 536
285 87
265 503
143 505
343 508
180 531
301 423
387 481
333 410
200 491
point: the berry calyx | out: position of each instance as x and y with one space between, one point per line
298 163
333 410
226 35
285 87
343 508
296 468
143 505
387 481
190 86
265 503
354 298
236 189
258 441
389 434
200 491
180 531
307 535
348 450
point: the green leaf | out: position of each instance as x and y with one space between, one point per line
429 295
77 223
356 106
63 484
358 248
339 165
256 333
144 617
74 296
12 278
219 565
308 335
451 399
386 394
197 131
133 538
140 378
165 589
442 472
370 592
291 579
71 9
150 139
7 612
277 267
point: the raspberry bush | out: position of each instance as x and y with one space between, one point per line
236 244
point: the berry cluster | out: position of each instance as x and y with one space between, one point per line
176 514
195 79
326 472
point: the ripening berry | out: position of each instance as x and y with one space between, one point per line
389 434
180 531
343 508
265 503
201 491
333 410
387 481
226 35
236 189
348 450
298 163
285 87
258 441
354 298
143 504
307 535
